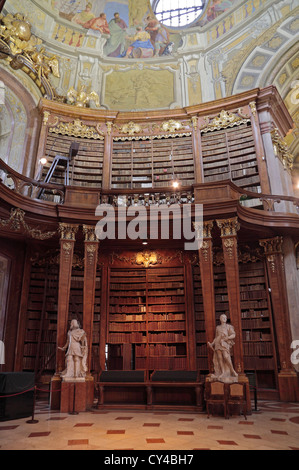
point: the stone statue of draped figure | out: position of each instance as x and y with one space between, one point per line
222 344
76 352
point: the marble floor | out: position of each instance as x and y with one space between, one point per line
275 426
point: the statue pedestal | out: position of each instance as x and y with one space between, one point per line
76 395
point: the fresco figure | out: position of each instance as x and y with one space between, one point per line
98 24
141 41
158 34
116 44
84 16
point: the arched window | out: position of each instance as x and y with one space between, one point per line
178 13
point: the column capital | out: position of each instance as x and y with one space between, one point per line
272 245
229 227
89 232
68 231
203 229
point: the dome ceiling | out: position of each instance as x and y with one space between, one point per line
120 52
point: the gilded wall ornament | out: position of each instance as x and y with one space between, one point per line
129 128
147 258
16 222
22 50
76 129
223 120
81 98
281 150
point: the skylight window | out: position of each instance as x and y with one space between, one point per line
178 13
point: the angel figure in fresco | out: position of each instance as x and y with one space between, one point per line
76 352
222 344
81 98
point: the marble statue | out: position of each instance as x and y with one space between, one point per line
76 353
222 344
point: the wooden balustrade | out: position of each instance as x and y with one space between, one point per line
90 197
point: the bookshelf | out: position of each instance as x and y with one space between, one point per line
259 351
41 324
200 329
166 320
149 163
87 167
95 359
230 154
147 325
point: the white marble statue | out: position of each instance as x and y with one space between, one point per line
76 353
222 344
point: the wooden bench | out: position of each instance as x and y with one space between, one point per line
165 389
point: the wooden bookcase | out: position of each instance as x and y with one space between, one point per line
152 162
95 359
257 330
200 329
86 168
41 323
147 321
230 154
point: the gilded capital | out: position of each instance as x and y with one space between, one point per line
89 232
203 229
272 245
229 227
68 231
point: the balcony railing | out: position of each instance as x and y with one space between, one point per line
61 194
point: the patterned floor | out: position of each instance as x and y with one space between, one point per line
274 427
